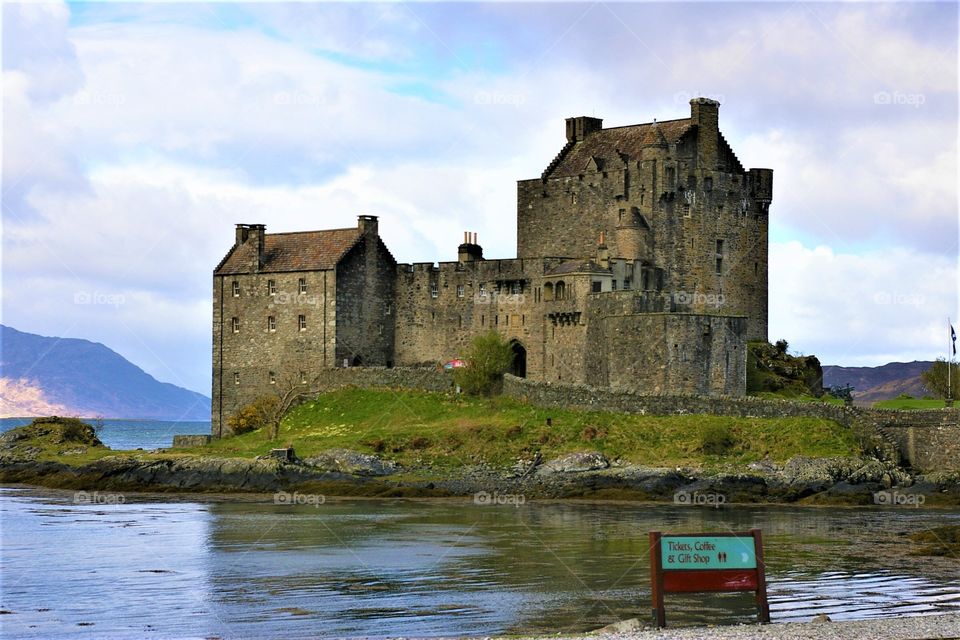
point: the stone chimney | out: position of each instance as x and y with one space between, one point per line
469 251
603 253
705 113
367 225
579 128
256 235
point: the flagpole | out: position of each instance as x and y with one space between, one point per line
949 401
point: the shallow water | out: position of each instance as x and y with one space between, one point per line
132 434
166 566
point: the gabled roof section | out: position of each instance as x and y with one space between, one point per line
298 251
609 146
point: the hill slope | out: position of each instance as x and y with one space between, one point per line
871 384
67 376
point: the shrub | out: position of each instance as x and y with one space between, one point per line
262 412
489 357
717 440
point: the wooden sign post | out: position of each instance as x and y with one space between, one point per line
704 563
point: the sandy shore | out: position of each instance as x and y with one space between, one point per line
912 628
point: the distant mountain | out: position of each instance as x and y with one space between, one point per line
71 377
871 384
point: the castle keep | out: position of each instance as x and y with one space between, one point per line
641 265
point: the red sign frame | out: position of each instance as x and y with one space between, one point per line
664 581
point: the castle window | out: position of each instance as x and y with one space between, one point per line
236 324
692 183
434 291
708 184
302 285
303 377
483 320
596 286
271 323
756 268
506 319
302 322
271 287
459 290
548 291
516 287
236 378
273 378
719 266
613 285
483 290
496 320
627 284
236 289
560 291
719 247
670 178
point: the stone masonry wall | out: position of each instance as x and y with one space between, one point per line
263 353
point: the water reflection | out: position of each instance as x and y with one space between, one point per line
421 568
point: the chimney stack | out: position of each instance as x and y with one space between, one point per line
579 128
256 235
603 254
469 251
368 225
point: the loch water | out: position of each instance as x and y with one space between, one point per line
106 565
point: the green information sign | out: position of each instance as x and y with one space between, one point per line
707 552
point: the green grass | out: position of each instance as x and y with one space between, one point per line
447 431
770 395
909 403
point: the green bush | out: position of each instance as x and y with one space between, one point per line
260 413
489 357
717 440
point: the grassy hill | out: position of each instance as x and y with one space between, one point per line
874 384
419 428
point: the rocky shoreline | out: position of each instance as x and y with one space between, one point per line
925 627
587 475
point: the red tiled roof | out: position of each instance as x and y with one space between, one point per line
298 251
609 145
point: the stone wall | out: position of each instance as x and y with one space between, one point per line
183 441
269 346
365 300
417 378
599 399
926 440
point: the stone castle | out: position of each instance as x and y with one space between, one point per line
641 265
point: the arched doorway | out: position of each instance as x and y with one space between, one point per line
519 366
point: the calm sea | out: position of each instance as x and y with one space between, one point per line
137 566
132 434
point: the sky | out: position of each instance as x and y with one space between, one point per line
136 135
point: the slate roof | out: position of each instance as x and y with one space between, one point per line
298 251
577 266
608 147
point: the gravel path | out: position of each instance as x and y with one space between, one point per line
912 628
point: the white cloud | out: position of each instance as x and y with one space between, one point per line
865 309
133 145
